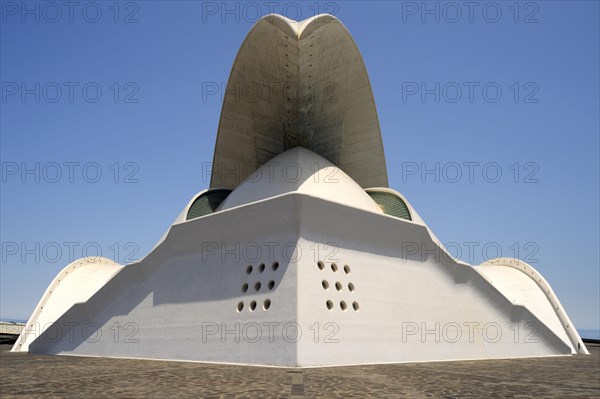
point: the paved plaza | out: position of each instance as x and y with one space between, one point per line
38 376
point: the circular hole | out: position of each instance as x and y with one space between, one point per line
338 286
342 305
249 270
347 269
350 287
355 306
275 266
321 265
271 284
334 267
245 287
257 286
240 306
325 284
267 304
329 305
261 268
252 306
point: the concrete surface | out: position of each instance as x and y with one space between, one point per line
299 84
187 301
39 376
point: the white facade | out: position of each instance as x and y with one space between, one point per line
301 266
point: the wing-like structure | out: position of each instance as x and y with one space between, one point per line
299 84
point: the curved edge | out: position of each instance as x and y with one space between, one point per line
280 21
544 286
311 24
184 212
180 218
416 218
299 29
275 19
31 330
411 210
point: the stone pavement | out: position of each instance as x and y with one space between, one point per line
37 376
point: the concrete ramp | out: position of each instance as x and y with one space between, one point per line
76 283
525 286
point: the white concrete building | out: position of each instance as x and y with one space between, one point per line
299 254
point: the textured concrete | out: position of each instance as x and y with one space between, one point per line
37 376
299 84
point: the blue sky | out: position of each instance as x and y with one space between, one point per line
106 105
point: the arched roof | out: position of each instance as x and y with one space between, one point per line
299 84
76 283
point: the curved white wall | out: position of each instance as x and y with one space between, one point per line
76 283
302 171
525 286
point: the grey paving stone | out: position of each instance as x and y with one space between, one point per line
37 376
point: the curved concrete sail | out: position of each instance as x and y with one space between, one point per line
77 282
299 84
521 283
